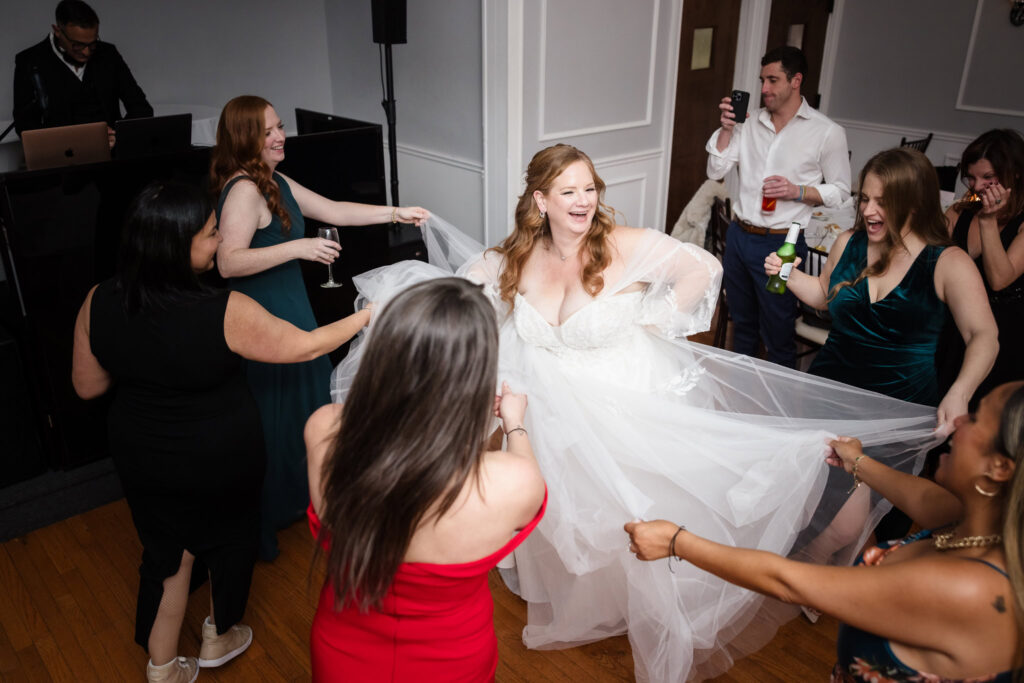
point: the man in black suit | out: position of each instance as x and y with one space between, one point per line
73 77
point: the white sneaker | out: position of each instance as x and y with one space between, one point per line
217 650
178 670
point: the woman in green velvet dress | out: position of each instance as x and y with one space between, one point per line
260 216
887 284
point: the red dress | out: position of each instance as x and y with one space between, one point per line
435 624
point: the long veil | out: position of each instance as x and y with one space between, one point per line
729 445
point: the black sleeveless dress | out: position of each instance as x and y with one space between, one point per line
1008 310
186 440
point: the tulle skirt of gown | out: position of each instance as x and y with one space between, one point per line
628 424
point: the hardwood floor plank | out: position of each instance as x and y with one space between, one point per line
85 595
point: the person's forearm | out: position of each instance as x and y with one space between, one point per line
999 269
351 213
979 356
329 337
925 502
724 138
807 288
518 443
756 570
247 261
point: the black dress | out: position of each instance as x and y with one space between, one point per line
186 440
1008 310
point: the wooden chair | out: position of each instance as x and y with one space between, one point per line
812 325
920 145
714 242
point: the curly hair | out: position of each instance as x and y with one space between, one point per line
910 194
531 227
240 134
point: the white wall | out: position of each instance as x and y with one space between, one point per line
898 69
438 78
195 52
600 75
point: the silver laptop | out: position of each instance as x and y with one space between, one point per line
85 143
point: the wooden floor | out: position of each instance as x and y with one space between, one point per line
67 602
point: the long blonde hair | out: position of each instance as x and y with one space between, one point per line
910 193
531 227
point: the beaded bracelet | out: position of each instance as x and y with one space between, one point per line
856 480
802 190
672 549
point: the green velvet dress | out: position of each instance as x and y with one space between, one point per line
887 346
287 394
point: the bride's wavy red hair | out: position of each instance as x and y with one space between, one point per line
240 135
531 227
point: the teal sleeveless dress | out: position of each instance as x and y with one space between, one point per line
286 394
887 346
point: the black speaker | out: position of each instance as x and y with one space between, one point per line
388 21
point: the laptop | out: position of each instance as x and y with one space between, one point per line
152 136
84 143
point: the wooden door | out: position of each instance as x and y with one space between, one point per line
704 78
802 24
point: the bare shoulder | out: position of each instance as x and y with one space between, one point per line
323 425
513 483
625 239
955 259
841 239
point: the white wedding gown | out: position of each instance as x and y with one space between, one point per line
628 420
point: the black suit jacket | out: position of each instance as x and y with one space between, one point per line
107 81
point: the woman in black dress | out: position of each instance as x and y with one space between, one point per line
989 229
184 429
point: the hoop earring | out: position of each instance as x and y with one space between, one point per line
987 494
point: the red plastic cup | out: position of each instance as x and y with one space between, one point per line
767 204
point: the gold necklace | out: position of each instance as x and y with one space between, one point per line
945 541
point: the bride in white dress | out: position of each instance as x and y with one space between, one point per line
632 421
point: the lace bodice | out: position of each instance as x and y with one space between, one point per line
603 323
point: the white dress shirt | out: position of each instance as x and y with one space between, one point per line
79 70
809 150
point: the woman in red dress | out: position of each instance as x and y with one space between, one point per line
410 505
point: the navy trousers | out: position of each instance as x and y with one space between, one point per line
756 313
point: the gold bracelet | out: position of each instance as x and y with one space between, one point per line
394 209
856 480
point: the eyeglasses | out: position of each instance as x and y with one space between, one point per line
77 45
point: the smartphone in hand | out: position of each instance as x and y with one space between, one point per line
740 101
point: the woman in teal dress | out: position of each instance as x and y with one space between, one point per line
260 215
887 284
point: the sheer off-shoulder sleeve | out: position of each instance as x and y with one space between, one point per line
682 284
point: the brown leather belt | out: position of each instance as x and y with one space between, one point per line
758 230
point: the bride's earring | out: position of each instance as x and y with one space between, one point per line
543 213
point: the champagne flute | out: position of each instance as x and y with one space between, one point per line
328 233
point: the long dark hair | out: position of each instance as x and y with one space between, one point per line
155 262
1004 149
545 166
412 431
910 193
1010 442
240 135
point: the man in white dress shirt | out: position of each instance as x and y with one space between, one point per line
796 158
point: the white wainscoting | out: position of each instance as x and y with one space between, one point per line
867 138
632 187
451 187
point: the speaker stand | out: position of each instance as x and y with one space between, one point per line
389 112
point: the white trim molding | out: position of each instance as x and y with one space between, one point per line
542 135
828 59
960 104
901 131
460 163
642 210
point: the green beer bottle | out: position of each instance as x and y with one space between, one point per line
787 252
